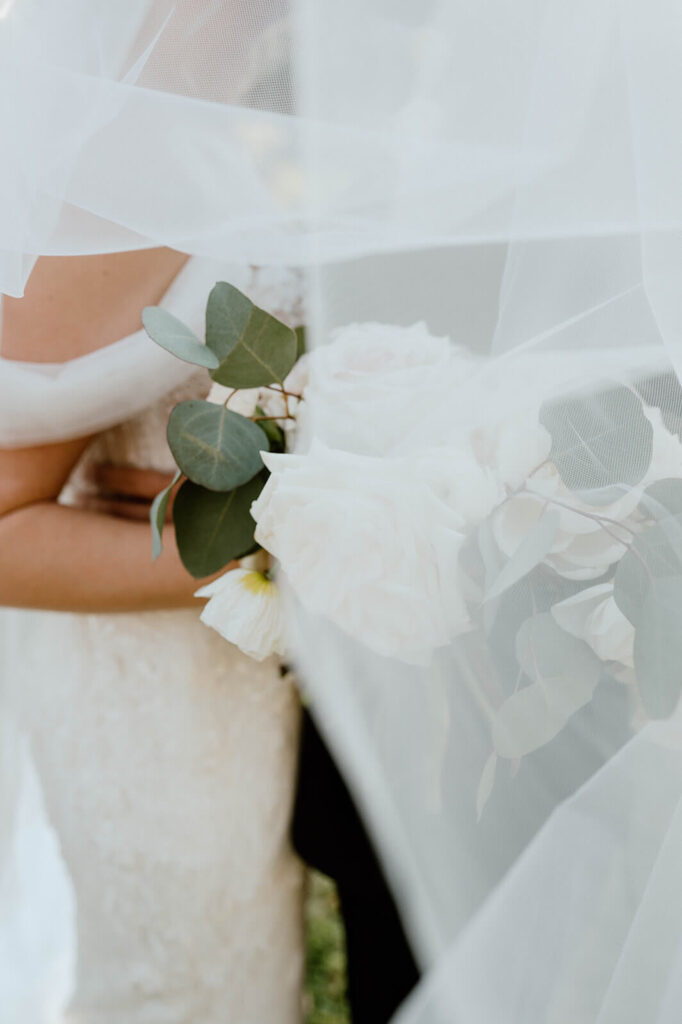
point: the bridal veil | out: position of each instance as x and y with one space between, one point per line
509 174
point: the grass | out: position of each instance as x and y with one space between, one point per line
326 955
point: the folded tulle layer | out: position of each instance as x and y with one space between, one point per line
251 132
509 174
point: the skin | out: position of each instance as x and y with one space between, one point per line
128 492
94 559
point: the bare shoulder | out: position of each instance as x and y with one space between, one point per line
76 304
73 305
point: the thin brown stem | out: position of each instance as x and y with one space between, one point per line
602 521
261 419
282 391
230 397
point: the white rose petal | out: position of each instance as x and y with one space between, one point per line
367 547
589 555
514 447
577 555
592 615
375 384
523 445
472 491
245 607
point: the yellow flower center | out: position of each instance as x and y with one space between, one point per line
257 583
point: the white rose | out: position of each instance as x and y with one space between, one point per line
361 544
592 615
514 447
375 383
245 607
472 491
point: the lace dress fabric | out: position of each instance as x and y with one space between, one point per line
166 760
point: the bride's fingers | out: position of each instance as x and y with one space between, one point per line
128 481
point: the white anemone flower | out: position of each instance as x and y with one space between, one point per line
245 607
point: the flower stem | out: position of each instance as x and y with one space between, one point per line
282 391
260 419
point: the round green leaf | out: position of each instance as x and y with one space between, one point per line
658 647
213 446
563 673
171 334
211 528
301 341
663 498
254 348
663 391
531 551
599 441
272 431
557 660
656 554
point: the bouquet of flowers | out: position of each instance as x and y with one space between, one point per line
412 525
218 445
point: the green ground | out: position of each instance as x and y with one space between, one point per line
326 956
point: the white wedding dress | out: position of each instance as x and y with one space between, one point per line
166 762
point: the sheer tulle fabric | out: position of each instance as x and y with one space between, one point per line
509 174
534 163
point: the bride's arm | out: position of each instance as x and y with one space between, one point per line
62 558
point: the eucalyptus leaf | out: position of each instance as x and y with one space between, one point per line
525 722
663 498
663 391
485 785
531 551
213 446
493 561
254 349
157 515
552 657
655 554
272 431
301 342
212 528
563 673
658 647
599 441
171 334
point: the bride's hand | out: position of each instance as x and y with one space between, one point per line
126 491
